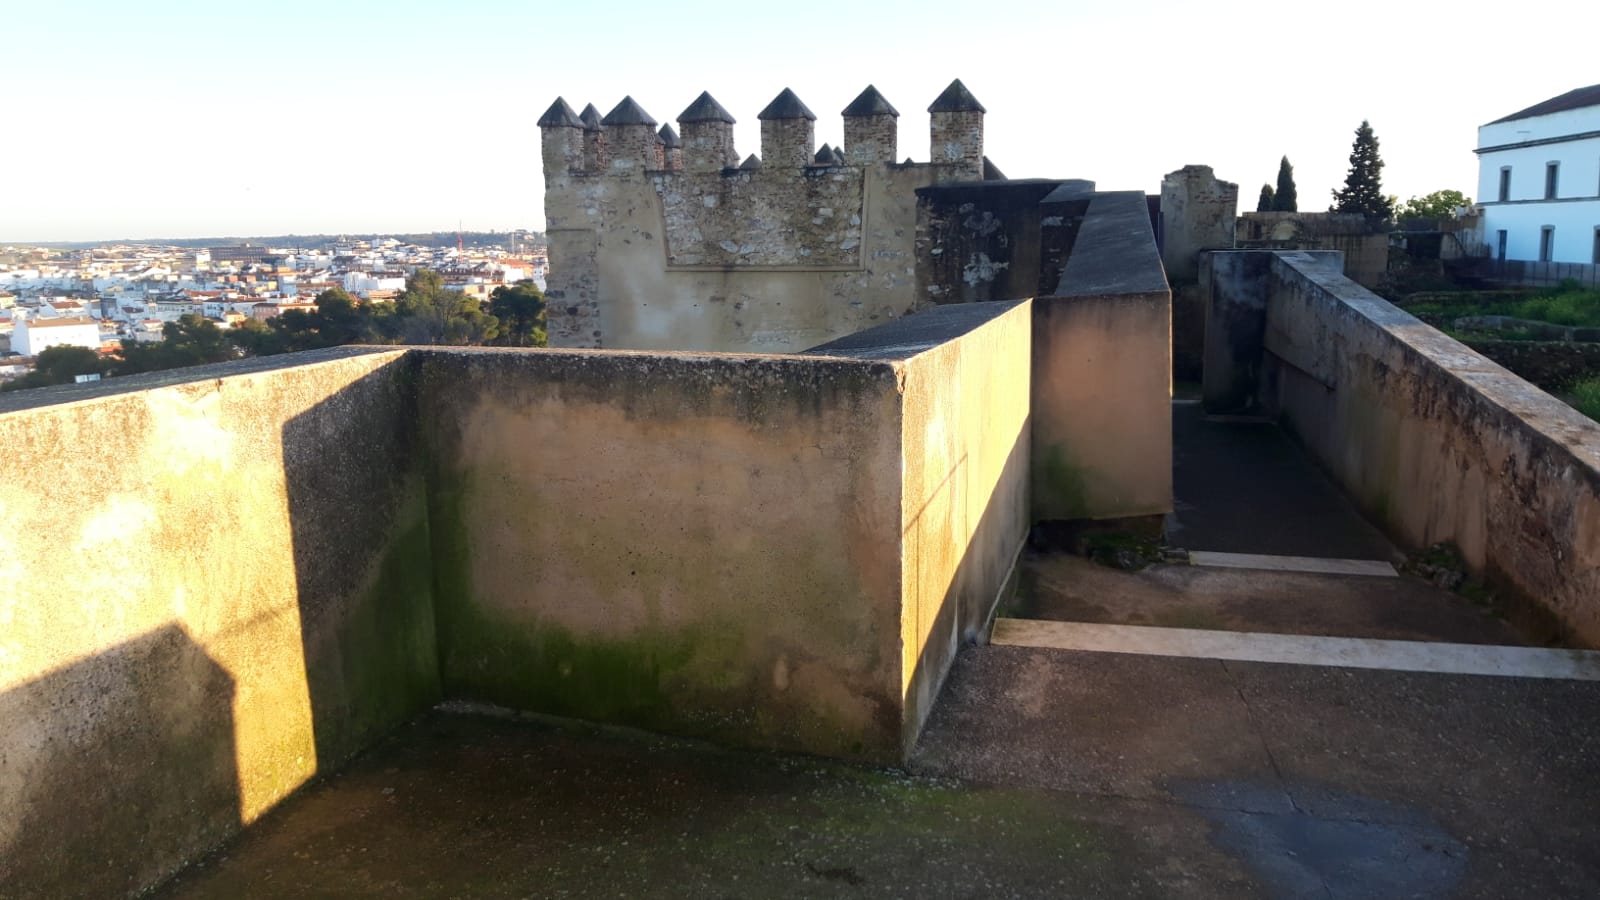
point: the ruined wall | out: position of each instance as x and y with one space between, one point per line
984 241
1437 443
964 499
1102 376
1198 212
774 258
1366 250
237 597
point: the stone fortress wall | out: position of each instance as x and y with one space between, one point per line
663 239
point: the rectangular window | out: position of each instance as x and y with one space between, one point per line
1500 248
1505 183
1547 242
1551 172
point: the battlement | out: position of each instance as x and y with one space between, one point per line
666 236
625 141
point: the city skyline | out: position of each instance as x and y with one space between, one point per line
178 120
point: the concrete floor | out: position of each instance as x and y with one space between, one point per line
1043 773
1245 487
1320 782
470 806
1068 588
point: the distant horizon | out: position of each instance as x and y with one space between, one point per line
220 239
334 124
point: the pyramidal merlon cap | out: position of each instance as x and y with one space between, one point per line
956 98
560 115
705 108
627 113
669 138
590 117
786 106
870 103
751 163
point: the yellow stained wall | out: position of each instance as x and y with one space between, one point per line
182 639
964 504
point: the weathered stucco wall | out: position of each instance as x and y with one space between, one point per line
283 559
1234 286
694 544
216 584
1436 442
1102 375
964 499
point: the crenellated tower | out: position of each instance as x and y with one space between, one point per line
661 237
561 138
871 129
956 129
631 138
707 136
671 149
594 139
788 132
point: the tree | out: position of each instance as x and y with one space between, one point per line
520 309
1285 199
59 365
427 312
193 340
1363 186
1437 205
1265 203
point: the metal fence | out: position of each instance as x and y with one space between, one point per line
1531 274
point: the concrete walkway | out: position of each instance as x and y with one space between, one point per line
1068 588
1318 781
1243 486
1274 548
1043 773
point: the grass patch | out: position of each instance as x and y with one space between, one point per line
1567 304
1121 550
1585 397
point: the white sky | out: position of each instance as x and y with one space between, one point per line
175 119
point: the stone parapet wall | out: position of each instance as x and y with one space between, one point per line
279 560
1434 441
966 429
217 585
1102 372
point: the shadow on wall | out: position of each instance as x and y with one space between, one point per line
948 616
79 821
363 569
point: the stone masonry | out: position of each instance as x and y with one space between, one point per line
1197 213
661 239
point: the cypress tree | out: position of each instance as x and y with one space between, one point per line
1265 203
1363 186
1285 199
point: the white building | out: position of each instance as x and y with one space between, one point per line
1539 180
32 336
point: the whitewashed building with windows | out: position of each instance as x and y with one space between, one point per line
32 336
1539 180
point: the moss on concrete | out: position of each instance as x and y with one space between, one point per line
1061 487
382 667
698 679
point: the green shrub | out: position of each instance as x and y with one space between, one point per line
1585 397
